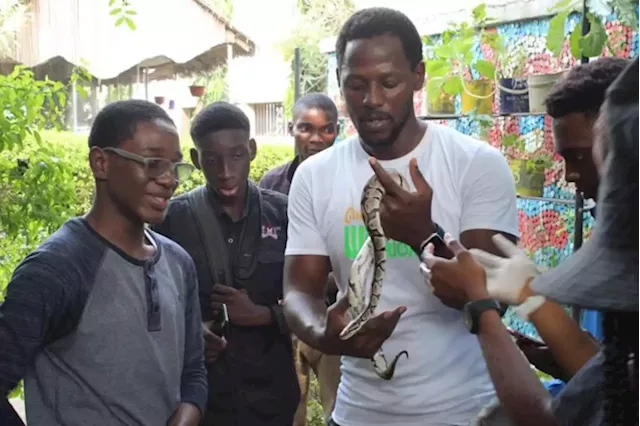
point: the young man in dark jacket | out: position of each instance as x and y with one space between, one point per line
236 234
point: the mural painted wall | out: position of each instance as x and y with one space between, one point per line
547 228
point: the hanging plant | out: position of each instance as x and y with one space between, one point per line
592 44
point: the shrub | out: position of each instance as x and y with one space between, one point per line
42 185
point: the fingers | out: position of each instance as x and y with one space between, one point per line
340 306
223 289
486 259
216 306
420 183
385 179
386 320
504 245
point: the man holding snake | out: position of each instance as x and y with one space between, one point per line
457 184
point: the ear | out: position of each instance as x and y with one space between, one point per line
337 128
290 128
253 149
99 163
195 158
419 84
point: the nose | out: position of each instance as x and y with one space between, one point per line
373 96
168 179
224 171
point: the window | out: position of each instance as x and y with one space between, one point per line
270 119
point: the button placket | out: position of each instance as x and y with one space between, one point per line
153 298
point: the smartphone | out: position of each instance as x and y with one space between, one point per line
525 339
220 324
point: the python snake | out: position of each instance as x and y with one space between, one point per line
372 256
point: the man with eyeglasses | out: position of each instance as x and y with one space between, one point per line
236 234
102 321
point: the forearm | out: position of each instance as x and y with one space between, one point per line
521 394
571 346
306 316
185 414
271 315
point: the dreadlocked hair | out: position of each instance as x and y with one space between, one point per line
620 368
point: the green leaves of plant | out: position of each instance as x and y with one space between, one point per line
592 44
555 35
626 12
485 68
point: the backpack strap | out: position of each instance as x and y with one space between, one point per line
211 236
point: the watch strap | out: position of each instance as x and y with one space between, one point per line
439 232
476 308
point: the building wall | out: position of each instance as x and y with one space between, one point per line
547 228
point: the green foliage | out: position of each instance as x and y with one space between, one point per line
44 184
316 20
216 85
122 11
453 54
591 44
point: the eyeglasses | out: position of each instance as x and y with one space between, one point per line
155 167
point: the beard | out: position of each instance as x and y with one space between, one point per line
376 141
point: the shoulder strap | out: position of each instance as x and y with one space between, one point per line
211 236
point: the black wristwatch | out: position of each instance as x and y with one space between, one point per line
472 311
437 239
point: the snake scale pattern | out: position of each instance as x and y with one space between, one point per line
370 261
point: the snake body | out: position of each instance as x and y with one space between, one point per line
372 256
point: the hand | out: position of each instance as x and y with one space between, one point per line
507 278
458 280
405 216
186 414
367 341
213 344
242 311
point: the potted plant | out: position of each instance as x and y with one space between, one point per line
198 86
159 100
452 68
513 85
528 168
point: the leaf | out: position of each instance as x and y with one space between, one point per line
593 43
485 68
433 88
453 86
131 12
574 41
112 2
626 12
130 23
443 51
120 21
115 11
599 7
438 68
555 35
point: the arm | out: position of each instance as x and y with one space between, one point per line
33 311
306 266
193 386
522 396
570 346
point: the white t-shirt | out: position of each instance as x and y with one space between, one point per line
444 381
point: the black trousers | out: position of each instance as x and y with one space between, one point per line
332 423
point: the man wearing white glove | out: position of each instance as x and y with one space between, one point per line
508 281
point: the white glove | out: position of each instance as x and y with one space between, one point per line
506 277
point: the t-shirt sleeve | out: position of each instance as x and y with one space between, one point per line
304 236
489 194
36 310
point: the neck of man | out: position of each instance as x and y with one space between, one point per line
409 137
120 230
